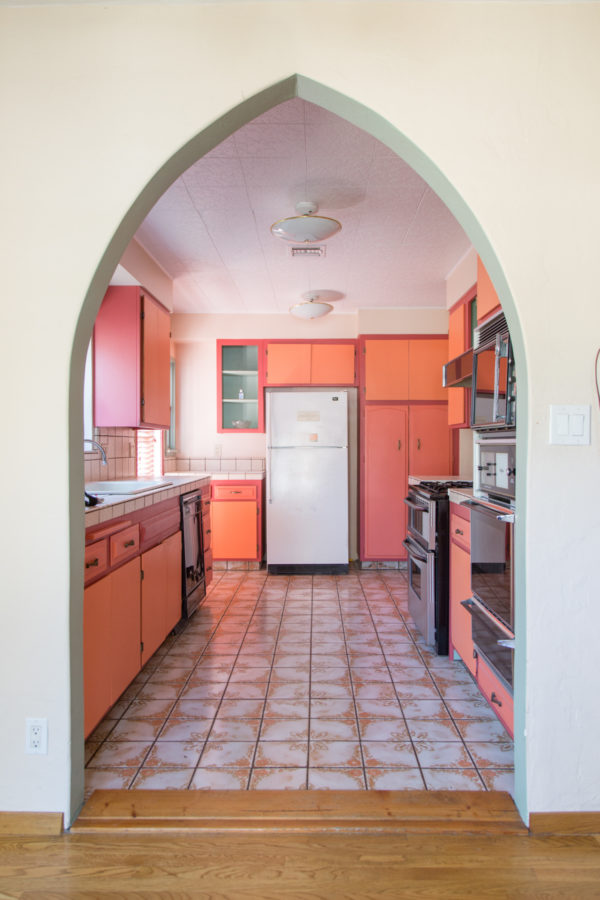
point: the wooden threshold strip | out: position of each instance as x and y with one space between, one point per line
300 812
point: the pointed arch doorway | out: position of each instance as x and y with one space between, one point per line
231 121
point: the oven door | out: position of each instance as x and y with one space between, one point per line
492 642
492 561
421 589
420 519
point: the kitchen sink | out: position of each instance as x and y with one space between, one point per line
134 486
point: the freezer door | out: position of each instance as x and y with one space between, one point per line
307 506
307 419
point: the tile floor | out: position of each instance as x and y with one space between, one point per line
305 682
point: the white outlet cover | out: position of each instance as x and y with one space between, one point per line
570 424
36 735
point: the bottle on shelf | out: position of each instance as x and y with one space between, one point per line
241 394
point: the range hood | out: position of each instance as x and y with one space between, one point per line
459 371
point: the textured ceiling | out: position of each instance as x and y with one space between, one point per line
211 230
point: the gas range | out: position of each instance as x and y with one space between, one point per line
439 488
427 544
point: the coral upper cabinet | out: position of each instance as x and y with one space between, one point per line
131 360
304 363
487 298
401 369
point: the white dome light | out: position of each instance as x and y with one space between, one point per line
306 228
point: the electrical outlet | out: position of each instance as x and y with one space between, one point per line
36 735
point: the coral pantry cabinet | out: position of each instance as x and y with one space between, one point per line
404 430
131 354
385 473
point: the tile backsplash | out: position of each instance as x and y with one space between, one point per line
219 464
119 446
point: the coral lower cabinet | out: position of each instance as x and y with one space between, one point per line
131 360
399 438
461 642
132 600
236 520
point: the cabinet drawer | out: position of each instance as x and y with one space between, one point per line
124 544
234 492
496 694
460 530
95 559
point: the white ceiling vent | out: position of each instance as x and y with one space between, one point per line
307 251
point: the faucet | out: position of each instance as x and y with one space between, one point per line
98 447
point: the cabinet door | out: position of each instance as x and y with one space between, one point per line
240 377
96 653
426 359
386 370
457 344
154 592
460 619
487 298
173 605
430 439
385 482
156 361
495 693
332 364
116 353
234 529
288 363
124 626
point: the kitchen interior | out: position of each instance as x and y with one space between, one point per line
300 482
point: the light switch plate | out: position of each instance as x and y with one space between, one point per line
570 424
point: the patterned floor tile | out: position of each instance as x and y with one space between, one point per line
163 779
452 779
395 780
283 779
334 753
222 779
336 779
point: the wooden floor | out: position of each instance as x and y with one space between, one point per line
274 849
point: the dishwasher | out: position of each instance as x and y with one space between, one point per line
193 575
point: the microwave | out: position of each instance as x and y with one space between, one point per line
494 394
494 467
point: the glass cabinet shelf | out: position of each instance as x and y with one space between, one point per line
240 386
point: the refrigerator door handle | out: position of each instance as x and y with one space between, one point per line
268 473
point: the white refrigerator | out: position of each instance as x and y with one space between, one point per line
307 482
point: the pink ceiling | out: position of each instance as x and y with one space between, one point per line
211 230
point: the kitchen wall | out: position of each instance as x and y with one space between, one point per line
494 104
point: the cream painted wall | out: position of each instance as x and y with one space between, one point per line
495 105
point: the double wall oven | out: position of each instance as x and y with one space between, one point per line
427 545
491 604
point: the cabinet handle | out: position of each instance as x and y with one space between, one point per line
130 543
418 443
399 445
494 699
458 531
208 531
235 492
91 563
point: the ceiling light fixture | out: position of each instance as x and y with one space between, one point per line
310 309
306 228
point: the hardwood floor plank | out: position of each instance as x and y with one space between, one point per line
237 867
565 823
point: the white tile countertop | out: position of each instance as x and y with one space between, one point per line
175 483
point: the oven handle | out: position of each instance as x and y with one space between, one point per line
412 549
488 511
414 505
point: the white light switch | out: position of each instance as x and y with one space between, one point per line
569 424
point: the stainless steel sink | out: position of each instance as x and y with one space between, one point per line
134 486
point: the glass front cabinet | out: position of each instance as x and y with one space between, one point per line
240 380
